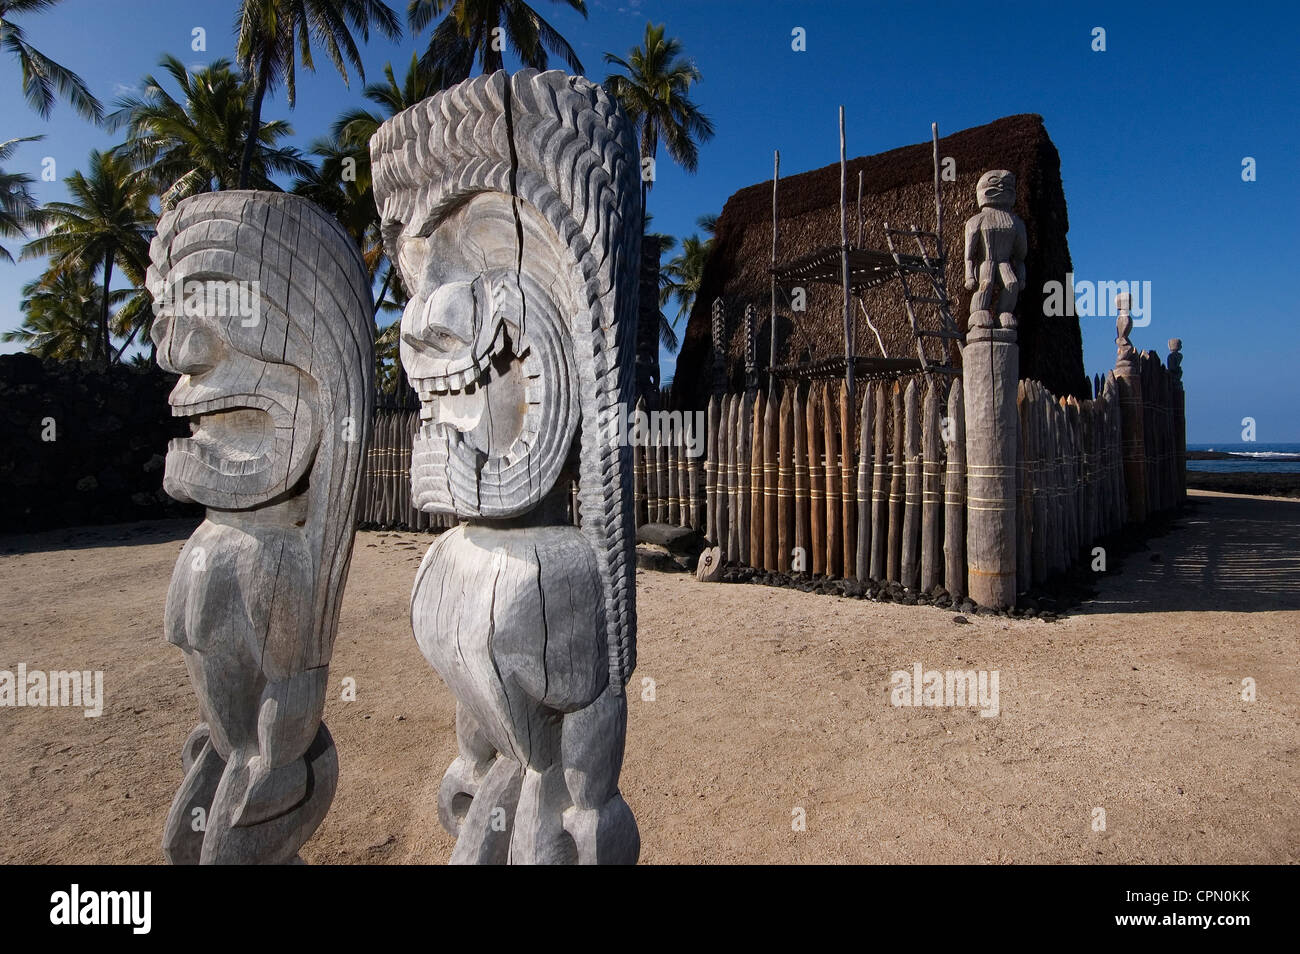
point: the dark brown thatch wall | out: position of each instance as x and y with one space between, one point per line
898 188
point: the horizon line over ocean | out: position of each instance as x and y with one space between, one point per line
1257 457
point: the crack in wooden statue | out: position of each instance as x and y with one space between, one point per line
996 245
510 205
264 310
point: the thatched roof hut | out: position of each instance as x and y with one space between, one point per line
898 188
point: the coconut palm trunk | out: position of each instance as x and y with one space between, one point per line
105 343
254 124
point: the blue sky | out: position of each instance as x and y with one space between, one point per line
1152 134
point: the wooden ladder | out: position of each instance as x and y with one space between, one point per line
931 270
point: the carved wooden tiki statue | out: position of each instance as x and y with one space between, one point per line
510 204
996 245
264 310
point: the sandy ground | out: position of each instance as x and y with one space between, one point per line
765 701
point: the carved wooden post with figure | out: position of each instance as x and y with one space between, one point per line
263 308
1175 365
995 251
1128 378
511 205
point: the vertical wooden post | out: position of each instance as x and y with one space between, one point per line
1024 504
1086 509
830 450
1040 488
771 352
771 469
652 479
931 492
638 484
816 494
799 429
750 328
733 443
910 560
390 465
938 195
848 494
991 374
757 474
1055 522
693 465
862 565
719 505
744 423
954 523
661 464
382 482
879 491
785 484
859 242
674 491
1178 400
711 472
1071 408
1062 440
687 482
844 264
894 571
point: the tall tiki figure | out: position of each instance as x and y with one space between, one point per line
264 310
996 244
510 204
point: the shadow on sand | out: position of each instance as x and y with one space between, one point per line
1224 553
88 538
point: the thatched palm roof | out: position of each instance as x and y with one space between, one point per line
898 188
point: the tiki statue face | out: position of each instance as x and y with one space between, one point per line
254 422
486 345
997 189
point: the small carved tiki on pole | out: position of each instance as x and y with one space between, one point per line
719 334
510 203
1128 378
263 308
996 244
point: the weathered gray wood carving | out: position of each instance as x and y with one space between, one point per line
263 308
996 244
510 204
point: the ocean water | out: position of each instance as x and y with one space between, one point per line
1252 457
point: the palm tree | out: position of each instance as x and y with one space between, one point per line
680 278
667 334
655 95
682 275
107 223
195 143
41 75
19 210
61 312
271 34
467 33
340 184
357 125
350 197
